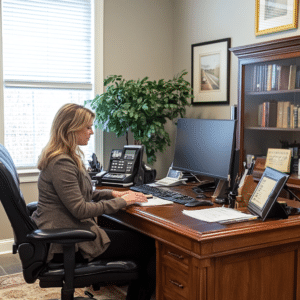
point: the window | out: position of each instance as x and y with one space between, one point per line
48 53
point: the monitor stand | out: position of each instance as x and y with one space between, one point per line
220 194
205 186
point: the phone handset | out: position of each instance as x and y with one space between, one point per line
101 174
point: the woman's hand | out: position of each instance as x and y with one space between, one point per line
117 194
134 197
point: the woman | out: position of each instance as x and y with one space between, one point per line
67 199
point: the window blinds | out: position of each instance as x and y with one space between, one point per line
47 62
47 41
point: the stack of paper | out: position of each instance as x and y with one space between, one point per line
155 201
220 215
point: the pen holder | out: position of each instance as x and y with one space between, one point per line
245 192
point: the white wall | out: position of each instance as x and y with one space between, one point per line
138 42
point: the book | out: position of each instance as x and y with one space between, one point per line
260 114
298 116
292 77
295 112
291 116
288 117
269 78
297 83
271 114
286 108
263 115
253 84
268 114
274 80
279 114
283 77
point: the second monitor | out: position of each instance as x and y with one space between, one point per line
205 147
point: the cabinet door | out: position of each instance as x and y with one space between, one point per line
269 72
271 108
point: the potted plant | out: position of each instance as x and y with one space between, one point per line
142 106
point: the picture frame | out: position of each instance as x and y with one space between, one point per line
211 72
279 159
275 15
263 201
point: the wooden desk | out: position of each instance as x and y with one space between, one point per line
196 260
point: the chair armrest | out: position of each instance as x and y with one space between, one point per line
32 206
61 236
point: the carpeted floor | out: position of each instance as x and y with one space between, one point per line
14 287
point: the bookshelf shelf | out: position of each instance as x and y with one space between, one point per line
273 129
269 99
273 92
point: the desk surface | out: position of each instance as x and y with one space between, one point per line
209 261
162 221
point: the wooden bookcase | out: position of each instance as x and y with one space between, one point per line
268 72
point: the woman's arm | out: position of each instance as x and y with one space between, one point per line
129 196
65 181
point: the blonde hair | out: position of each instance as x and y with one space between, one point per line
68 120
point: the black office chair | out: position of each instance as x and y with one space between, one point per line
32 244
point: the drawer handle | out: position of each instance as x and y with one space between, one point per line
176 283
175 255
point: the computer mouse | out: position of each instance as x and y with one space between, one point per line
199 203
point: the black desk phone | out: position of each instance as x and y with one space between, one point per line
125 167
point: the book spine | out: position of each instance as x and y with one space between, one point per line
278 81
274 77
279 114
292 77
263 121
254 79
272 114
292 116
286 105
269 78
260 108
296 108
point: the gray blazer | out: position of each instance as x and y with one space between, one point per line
65 195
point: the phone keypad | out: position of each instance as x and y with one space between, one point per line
117 166
129 166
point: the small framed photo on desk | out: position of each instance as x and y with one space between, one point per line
263 200
279 159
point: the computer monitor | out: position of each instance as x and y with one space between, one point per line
205 147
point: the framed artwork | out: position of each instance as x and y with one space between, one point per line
275 15
211 72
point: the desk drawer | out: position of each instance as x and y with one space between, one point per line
175 282
173 255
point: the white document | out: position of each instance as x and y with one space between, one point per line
155 201
219 214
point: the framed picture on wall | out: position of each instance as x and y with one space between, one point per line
275 15
211 72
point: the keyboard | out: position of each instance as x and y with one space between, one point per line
163 193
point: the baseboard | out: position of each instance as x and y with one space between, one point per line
6 246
